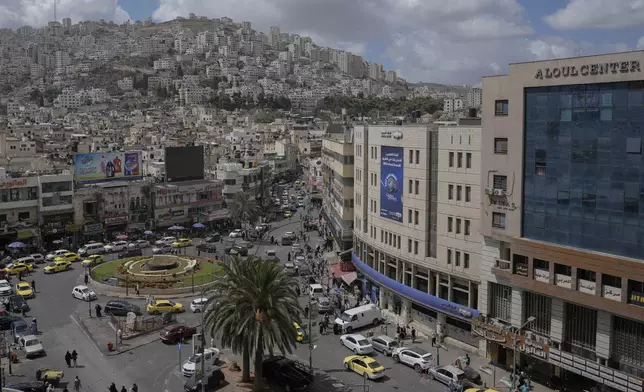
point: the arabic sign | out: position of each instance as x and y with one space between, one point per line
116 220
93 228
505 337
614 293
541 275
587 286
391 187
107 166
521 269
563 281
389 134
589 69
636 298
13 183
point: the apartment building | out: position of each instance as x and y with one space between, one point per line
18 208
185 203
251 177
338 194
563 246
402 240
56 206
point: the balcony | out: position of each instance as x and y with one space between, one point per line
503 265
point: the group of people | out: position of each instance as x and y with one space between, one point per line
112 388
76 385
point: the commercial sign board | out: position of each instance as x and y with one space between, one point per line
107 166
391 187
389 135
619 67
506 338
13 183
93 228
636 298
116 220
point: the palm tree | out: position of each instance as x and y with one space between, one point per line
244 208
253 311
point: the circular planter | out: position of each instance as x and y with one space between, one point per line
160 263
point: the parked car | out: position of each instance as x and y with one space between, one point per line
16 303
165 240
5 288
25 386
235 233
31 346
116 246
446 374
324 305
139 244
215 237
190 366
19 328
38 258
238 250
416 357
384 344
197 304
215 380
292 375
83 293
130 253
209 247
356 343
24 289
177 333
6 321
121 308
162 248
364 366
52 256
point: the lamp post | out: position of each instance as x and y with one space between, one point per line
514 348
203 340
310 340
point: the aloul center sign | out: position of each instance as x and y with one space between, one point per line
589 69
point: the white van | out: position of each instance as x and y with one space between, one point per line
271 255
92 249
358 317
316 290
26 260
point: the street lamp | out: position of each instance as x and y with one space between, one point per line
514 348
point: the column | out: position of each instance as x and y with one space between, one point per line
405 311
517 307
470 297
449 288
551 270
604 332
438 284
399 270
530 268
414 280
556 319
573 275
598 284
382 298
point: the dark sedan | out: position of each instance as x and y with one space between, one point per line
130 253
238 250
17 304
5 322
212 238
121 308
207 247
177 333
27 386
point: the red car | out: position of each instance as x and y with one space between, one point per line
177 333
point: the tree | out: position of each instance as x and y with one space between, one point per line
244 208
253 311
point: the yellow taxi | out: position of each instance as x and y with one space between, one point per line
288 214
14 268
92 260
480 390
364 365
24 289
164 306
182 243
57 266
300 332
69 256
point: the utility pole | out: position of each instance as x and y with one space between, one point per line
310 337
203 343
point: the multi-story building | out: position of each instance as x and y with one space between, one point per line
338 195
474 98
185 203
402 238
563 249
251 177
18 208
56 207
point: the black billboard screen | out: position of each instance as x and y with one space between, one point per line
184 163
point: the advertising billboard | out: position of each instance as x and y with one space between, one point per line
391 186
184 163
107 166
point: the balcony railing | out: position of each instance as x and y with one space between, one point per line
503 265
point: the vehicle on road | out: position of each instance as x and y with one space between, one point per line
83 293
57 266
416 357
19 328
130 253
121 308
116 246
300 332
38 258
364 366
91 249
139 244
26 260
162 248
24 386
292 375
69 256
24 289
177 333
6 321
324 305
164 306
5 288
51 376
271 255
316 290
384 344
193 363
235 233
215 237
16 303
198 304
52 256
359 317
182 243
165 240
215 380
238 250
15 268
286 241
446 374
288 214
208 247
31 346
356 343
289 268
92 260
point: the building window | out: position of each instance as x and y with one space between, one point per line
539 307
466 228
411 186
498 220
409 215
468 160
466 260
458 226
449 256
501 107
24 215
416 217
459 190
450 192
501 145
451 159
415 247
468 194
417 157
449 224
459 159
457 258
417 186
500 298
500 182
409 245
411 156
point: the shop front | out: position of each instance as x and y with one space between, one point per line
93 232
116 224
54 227
167 217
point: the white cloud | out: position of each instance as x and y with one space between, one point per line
580 14
640 43
16 13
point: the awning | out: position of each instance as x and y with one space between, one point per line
349 277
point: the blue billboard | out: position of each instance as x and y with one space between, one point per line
391 185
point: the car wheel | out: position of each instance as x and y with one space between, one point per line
355 350
417 368
349 329
346 365
431 375
396 358
375 322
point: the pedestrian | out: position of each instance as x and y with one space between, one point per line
467 359
135 388
75 358
86 278
77 384
434 341
98 310
306 310
289 256
137 289
50 388
119 333
34 326
65 389
413 335
123 389
297 288
452 387
68 359
33 285
112 387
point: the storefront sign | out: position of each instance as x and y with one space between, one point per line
502 204
587 286
72 228
116 220
93 228
541 275
533 348
14 183
521 269
169 214
490 332
391 135
588 69
636 298
563 281
612 293
505 337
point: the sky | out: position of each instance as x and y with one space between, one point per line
440 41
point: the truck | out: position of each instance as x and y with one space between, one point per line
293 375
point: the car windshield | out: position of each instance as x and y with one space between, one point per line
195 359
4 284
31 342
345 317
363 342
374 364
21 327
84 291
426 357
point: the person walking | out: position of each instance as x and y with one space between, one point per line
68 359
123 389
413 335
65 389
112 387
135 388
119 333
77 384
98 310
50 388
75 358
33 285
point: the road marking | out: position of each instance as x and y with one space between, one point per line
86 335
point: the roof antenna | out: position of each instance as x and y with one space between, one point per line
55 16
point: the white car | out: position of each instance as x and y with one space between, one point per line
166 240
190 366
235 233
5 288
162 248
197 305
415 357
139 244
52 256
357 343
38 258
31 346
117 246
83 293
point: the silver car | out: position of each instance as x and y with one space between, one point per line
324 305
447 374
384 344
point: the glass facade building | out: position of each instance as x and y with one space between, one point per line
584 167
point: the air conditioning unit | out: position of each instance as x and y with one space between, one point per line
489 191
499 192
